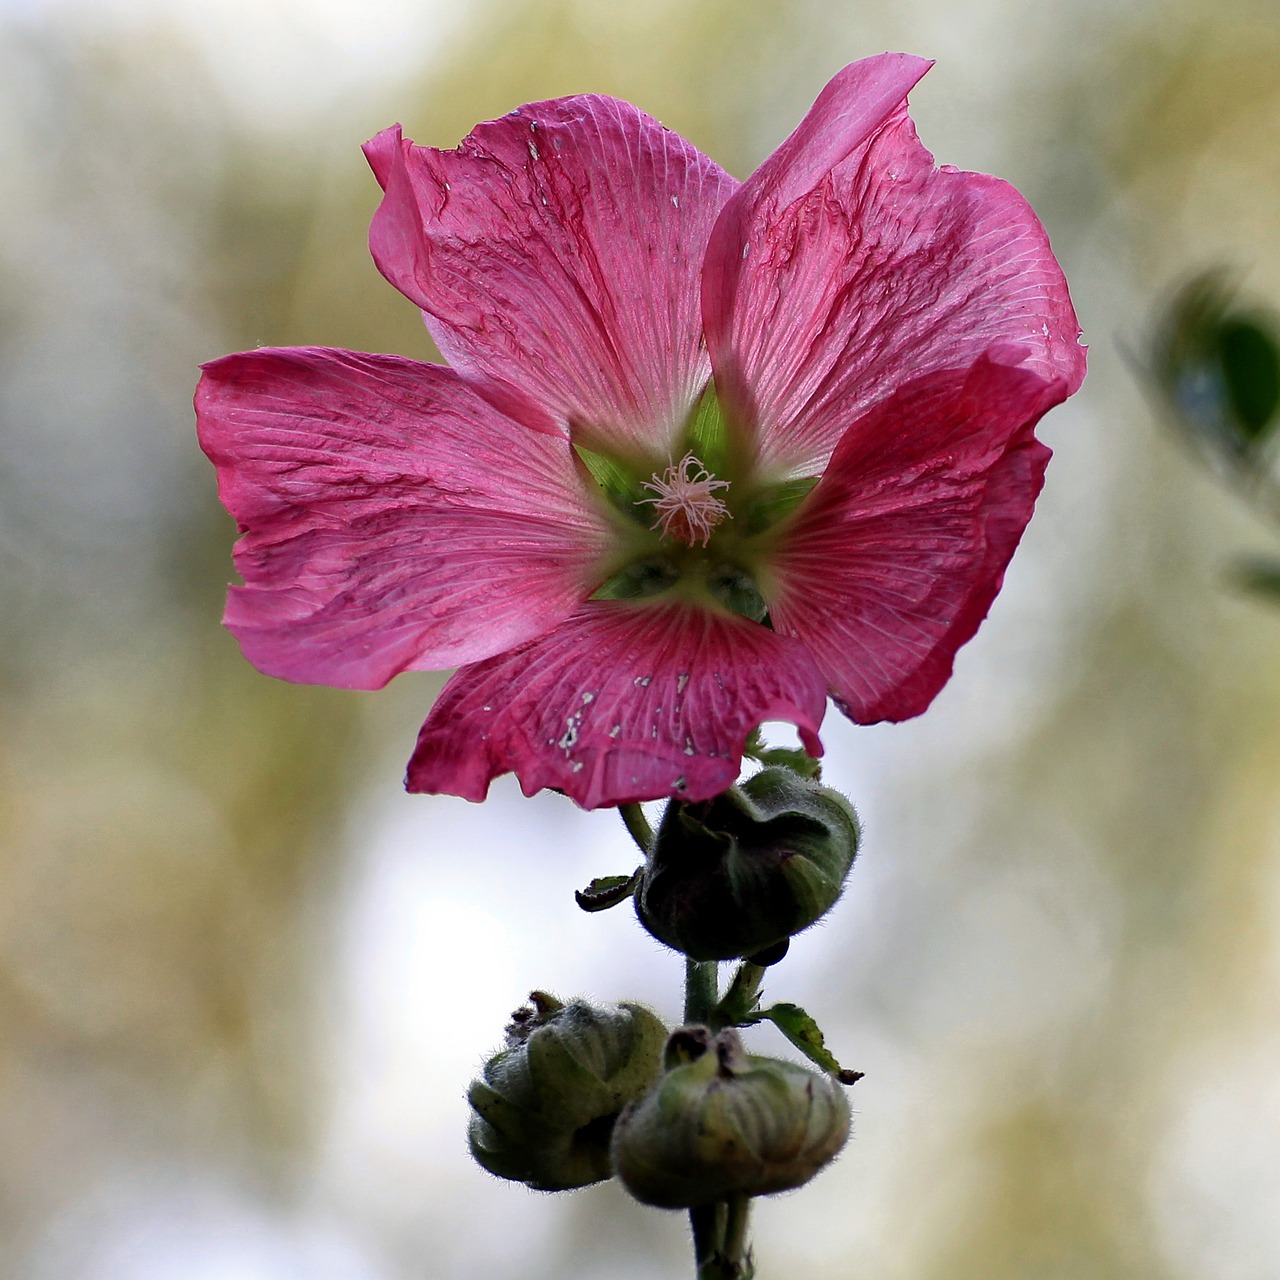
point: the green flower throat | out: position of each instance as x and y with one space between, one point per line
702 526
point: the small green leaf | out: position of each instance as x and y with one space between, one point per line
607 891
806 1035
707 432
621 489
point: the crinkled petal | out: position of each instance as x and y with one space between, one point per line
622 703
555 255
899 551
847 265
392 518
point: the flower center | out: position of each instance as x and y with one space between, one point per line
686 504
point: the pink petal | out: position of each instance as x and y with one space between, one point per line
555 255
899 551
847 265
392 518
622 703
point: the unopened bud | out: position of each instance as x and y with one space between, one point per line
740 873
545 1106
727 1123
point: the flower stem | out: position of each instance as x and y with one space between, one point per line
720 1239
707 1222
720 1230
736 1254
701 995
701 989
638 825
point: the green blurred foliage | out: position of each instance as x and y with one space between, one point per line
1217 365
1214 364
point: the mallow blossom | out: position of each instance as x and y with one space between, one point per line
704 452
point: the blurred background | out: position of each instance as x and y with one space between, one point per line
245 980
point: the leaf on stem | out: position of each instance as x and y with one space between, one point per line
803 1032
607 891
738 1006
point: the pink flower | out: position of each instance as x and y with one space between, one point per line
705 454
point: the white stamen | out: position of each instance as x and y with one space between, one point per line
686 505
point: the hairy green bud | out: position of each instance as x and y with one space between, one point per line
721 1122
741 873
544 1106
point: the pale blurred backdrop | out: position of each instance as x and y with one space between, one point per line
245 980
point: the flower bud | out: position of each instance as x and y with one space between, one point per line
727 1123
742 872
545 1105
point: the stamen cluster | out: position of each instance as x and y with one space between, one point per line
686 505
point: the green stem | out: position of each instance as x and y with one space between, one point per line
707 1222
736 1255
701 989
638 825
701 994
720 1239
720 1230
